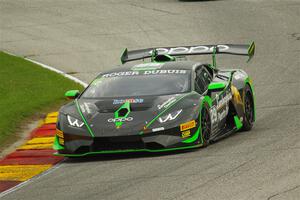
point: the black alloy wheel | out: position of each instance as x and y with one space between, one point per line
249 109
205 125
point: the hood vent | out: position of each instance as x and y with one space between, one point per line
123 112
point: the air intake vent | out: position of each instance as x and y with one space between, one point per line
122 112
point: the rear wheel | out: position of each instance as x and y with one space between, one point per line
205 125
248 109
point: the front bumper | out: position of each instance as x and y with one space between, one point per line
74 146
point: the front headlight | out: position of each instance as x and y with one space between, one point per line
74 122
170 116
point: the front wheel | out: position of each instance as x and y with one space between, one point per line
248 109
205 125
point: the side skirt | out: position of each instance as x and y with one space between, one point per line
224 135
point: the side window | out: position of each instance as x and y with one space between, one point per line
203 78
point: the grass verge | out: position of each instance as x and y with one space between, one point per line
27 89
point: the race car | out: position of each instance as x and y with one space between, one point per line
165 104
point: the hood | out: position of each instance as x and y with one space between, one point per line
135 115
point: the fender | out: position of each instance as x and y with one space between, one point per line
237 88
248 81
198 133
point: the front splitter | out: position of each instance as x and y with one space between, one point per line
129 151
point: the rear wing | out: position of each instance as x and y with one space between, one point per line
234 49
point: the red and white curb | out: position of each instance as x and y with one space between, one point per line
32 158
35 157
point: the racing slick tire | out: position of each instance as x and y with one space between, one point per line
248 109
205 124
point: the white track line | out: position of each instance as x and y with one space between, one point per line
59 72
53 69
22 184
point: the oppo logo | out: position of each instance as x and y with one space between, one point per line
127 119
189 50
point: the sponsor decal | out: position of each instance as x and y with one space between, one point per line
236 95
223 113
220 111
223 101
170 116
121 101
60 136
116 74
213 114
59 133
218 116
124 119
189 50
186 134
146 72
164 71
166 103
188 125
61 141
158 129
240 74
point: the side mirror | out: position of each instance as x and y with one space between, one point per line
215 86
72 94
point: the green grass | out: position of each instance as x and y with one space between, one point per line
27 89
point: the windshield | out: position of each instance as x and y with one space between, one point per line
139 83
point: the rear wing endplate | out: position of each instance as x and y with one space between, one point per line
234 49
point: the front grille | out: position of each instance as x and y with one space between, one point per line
117 143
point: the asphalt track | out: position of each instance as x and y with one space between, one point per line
85 37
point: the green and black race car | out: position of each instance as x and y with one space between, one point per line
162 105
